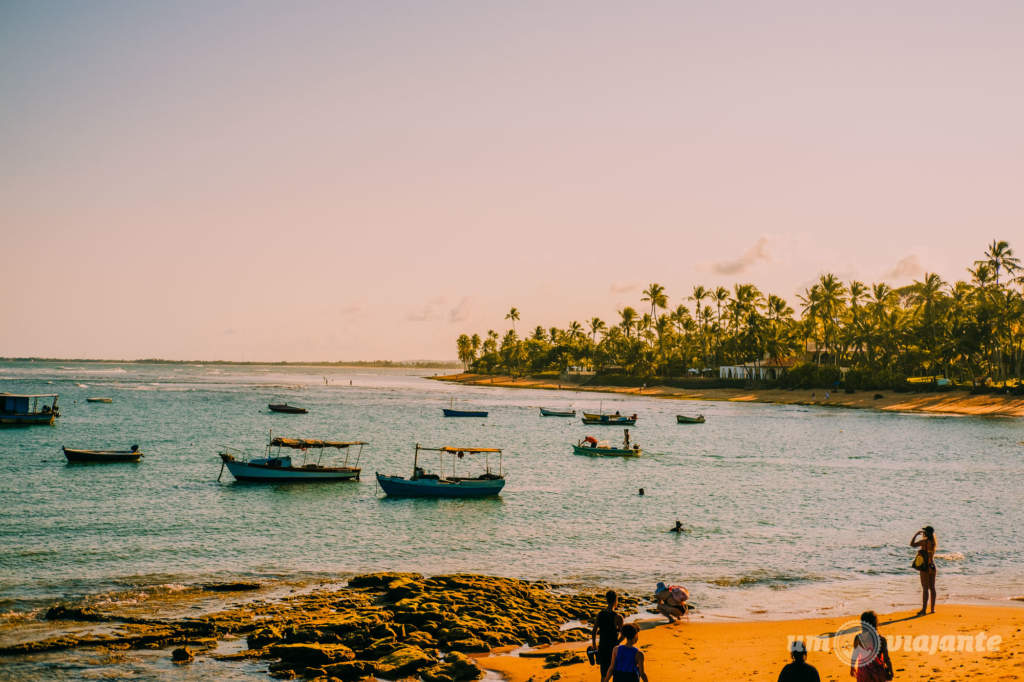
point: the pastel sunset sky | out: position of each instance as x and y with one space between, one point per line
361 180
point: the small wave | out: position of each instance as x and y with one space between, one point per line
82 385
779 581
950 556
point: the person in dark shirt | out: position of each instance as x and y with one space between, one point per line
607 632
799 670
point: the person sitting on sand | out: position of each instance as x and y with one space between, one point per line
671 601
678 527
926 547
870 660
607 632
627 664
799 670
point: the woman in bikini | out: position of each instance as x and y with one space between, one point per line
924 540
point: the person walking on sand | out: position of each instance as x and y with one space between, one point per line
671 601
924 562
607 632
627 663
799 670
870 660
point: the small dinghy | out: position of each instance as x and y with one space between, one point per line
683 419
286 408
544 412
132 455
99 400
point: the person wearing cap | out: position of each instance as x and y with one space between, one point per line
799 670
671 601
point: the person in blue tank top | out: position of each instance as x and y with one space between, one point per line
627 663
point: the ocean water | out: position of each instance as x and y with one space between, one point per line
789 510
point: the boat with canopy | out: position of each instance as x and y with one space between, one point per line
26 410
447 482
277 466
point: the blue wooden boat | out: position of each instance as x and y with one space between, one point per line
595 448
24 410
544 412
609 420
463 413
424 484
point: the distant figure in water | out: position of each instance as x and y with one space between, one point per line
799 670
926 544
627 664
678 527
349 382
641 492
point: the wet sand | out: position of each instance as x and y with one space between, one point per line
952 402
718 651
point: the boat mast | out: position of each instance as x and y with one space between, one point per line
415 460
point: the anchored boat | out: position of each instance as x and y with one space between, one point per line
443 484
683 419
544 412
99 400
18 410
592 447
132 455
278 467
286 408
450 412
608 419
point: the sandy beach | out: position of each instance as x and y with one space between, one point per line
933 647
952 402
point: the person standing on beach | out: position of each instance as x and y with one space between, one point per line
607 632
926 544
799 670
627 664
870 661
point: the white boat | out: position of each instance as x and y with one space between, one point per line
275 466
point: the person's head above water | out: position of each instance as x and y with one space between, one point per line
612 598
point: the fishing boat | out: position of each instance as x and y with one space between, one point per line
286 408
278 467
132 455
18 410
609 420
592 447
683 419
99 400
544 412
450 412
446 483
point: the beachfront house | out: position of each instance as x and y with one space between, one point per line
757 370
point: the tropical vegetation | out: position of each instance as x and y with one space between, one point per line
970 331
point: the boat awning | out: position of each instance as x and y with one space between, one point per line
304 443
466 450
20 395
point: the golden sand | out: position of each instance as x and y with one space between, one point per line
952 402
921 648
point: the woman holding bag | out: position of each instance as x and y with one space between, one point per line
924 562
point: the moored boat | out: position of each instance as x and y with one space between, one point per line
26 410
286 408
463 413
544 412
74 455
424 484
99 400
683 419
609 420
592 447
277 467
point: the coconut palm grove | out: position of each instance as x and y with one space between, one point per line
928 334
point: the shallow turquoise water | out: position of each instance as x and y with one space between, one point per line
790 510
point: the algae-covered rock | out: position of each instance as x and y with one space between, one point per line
182 655
403 661
469 645
307 655
380 579
561 658
454 668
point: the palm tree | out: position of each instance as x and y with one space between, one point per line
720 296
575 330
628 315
655 293
999 256
465 348
596 325
513 314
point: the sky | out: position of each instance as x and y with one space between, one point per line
268 181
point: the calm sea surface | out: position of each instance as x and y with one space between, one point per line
789 510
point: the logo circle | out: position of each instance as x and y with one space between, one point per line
855 638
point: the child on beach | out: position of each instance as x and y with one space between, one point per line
870 661
627 664
799 670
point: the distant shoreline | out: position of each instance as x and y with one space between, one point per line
405 364
952 402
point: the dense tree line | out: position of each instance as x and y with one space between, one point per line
970 331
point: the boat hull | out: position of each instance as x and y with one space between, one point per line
26 419
397 486
463 413
557 413
682 419
99 400
287 409
606 452
609 421
243 471
101 455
